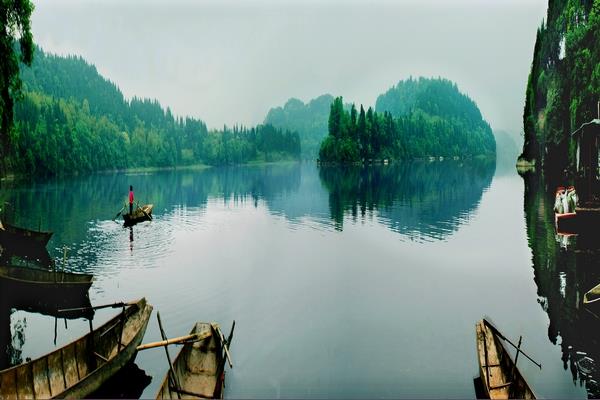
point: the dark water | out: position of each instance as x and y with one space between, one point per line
344 282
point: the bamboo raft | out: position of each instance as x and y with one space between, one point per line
198 371
143 213
500 377
79 368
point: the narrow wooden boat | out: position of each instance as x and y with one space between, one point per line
143 213
37 282
14 236
592 295
500 377
79 368
199 368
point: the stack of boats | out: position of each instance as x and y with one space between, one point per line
81 367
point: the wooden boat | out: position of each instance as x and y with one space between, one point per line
199 368
14 236
500 377
40 283
143 213
592 295
79 368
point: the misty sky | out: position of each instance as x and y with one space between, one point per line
230 61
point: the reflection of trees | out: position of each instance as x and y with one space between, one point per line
563 277
419 199
67 206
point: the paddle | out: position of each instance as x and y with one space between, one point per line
119 213
145 213
501 336
194 337
113 305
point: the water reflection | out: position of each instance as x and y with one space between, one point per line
564 271
420 200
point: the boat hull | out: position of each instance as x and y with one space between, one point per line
81 367
15 237
38 284
198 368
140 214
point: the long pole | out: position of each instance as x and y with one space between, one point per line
172 375
501 336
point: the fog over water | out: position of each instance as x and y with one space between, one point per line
230 62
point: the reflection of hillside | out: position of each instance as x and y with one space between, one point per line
562 278
421 200
71 207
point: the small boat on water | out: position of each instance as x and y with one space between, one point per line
40 283
79 368
143 213
199 368
14 236
500 377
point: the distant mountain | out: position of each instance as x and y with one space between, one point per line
309 120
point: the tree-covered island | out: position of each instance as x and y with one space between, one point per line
417 118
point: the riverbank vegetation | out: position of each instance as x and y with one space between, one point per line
71 119
563 85
417 119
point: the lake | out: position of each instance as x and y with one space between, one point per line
344 282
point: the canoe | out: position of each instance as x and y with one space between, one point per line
199 367
500 377
14 236
143 213
41 283
79 368
592 295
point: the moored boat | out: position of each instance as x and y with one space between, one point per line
79 368
143 213
198 371
14 236
592 295
40 283
500 377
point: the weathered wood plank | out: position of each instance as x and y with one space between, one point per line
25 383
70 365
41 385
57 383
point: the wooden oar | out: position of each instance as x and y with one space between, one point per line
119 213
501 336
145 213
113 305
218 330
194 337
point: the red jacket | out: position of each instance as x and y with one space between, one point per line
131 197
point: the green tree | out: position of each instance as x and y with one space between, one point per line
16 26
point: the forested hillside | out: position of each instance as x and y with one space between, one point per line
309 120
415 119
564 83
71 119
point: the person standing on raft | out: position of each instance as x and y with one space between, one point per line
130 200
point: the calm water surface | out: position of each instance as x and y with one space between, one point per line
344 282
